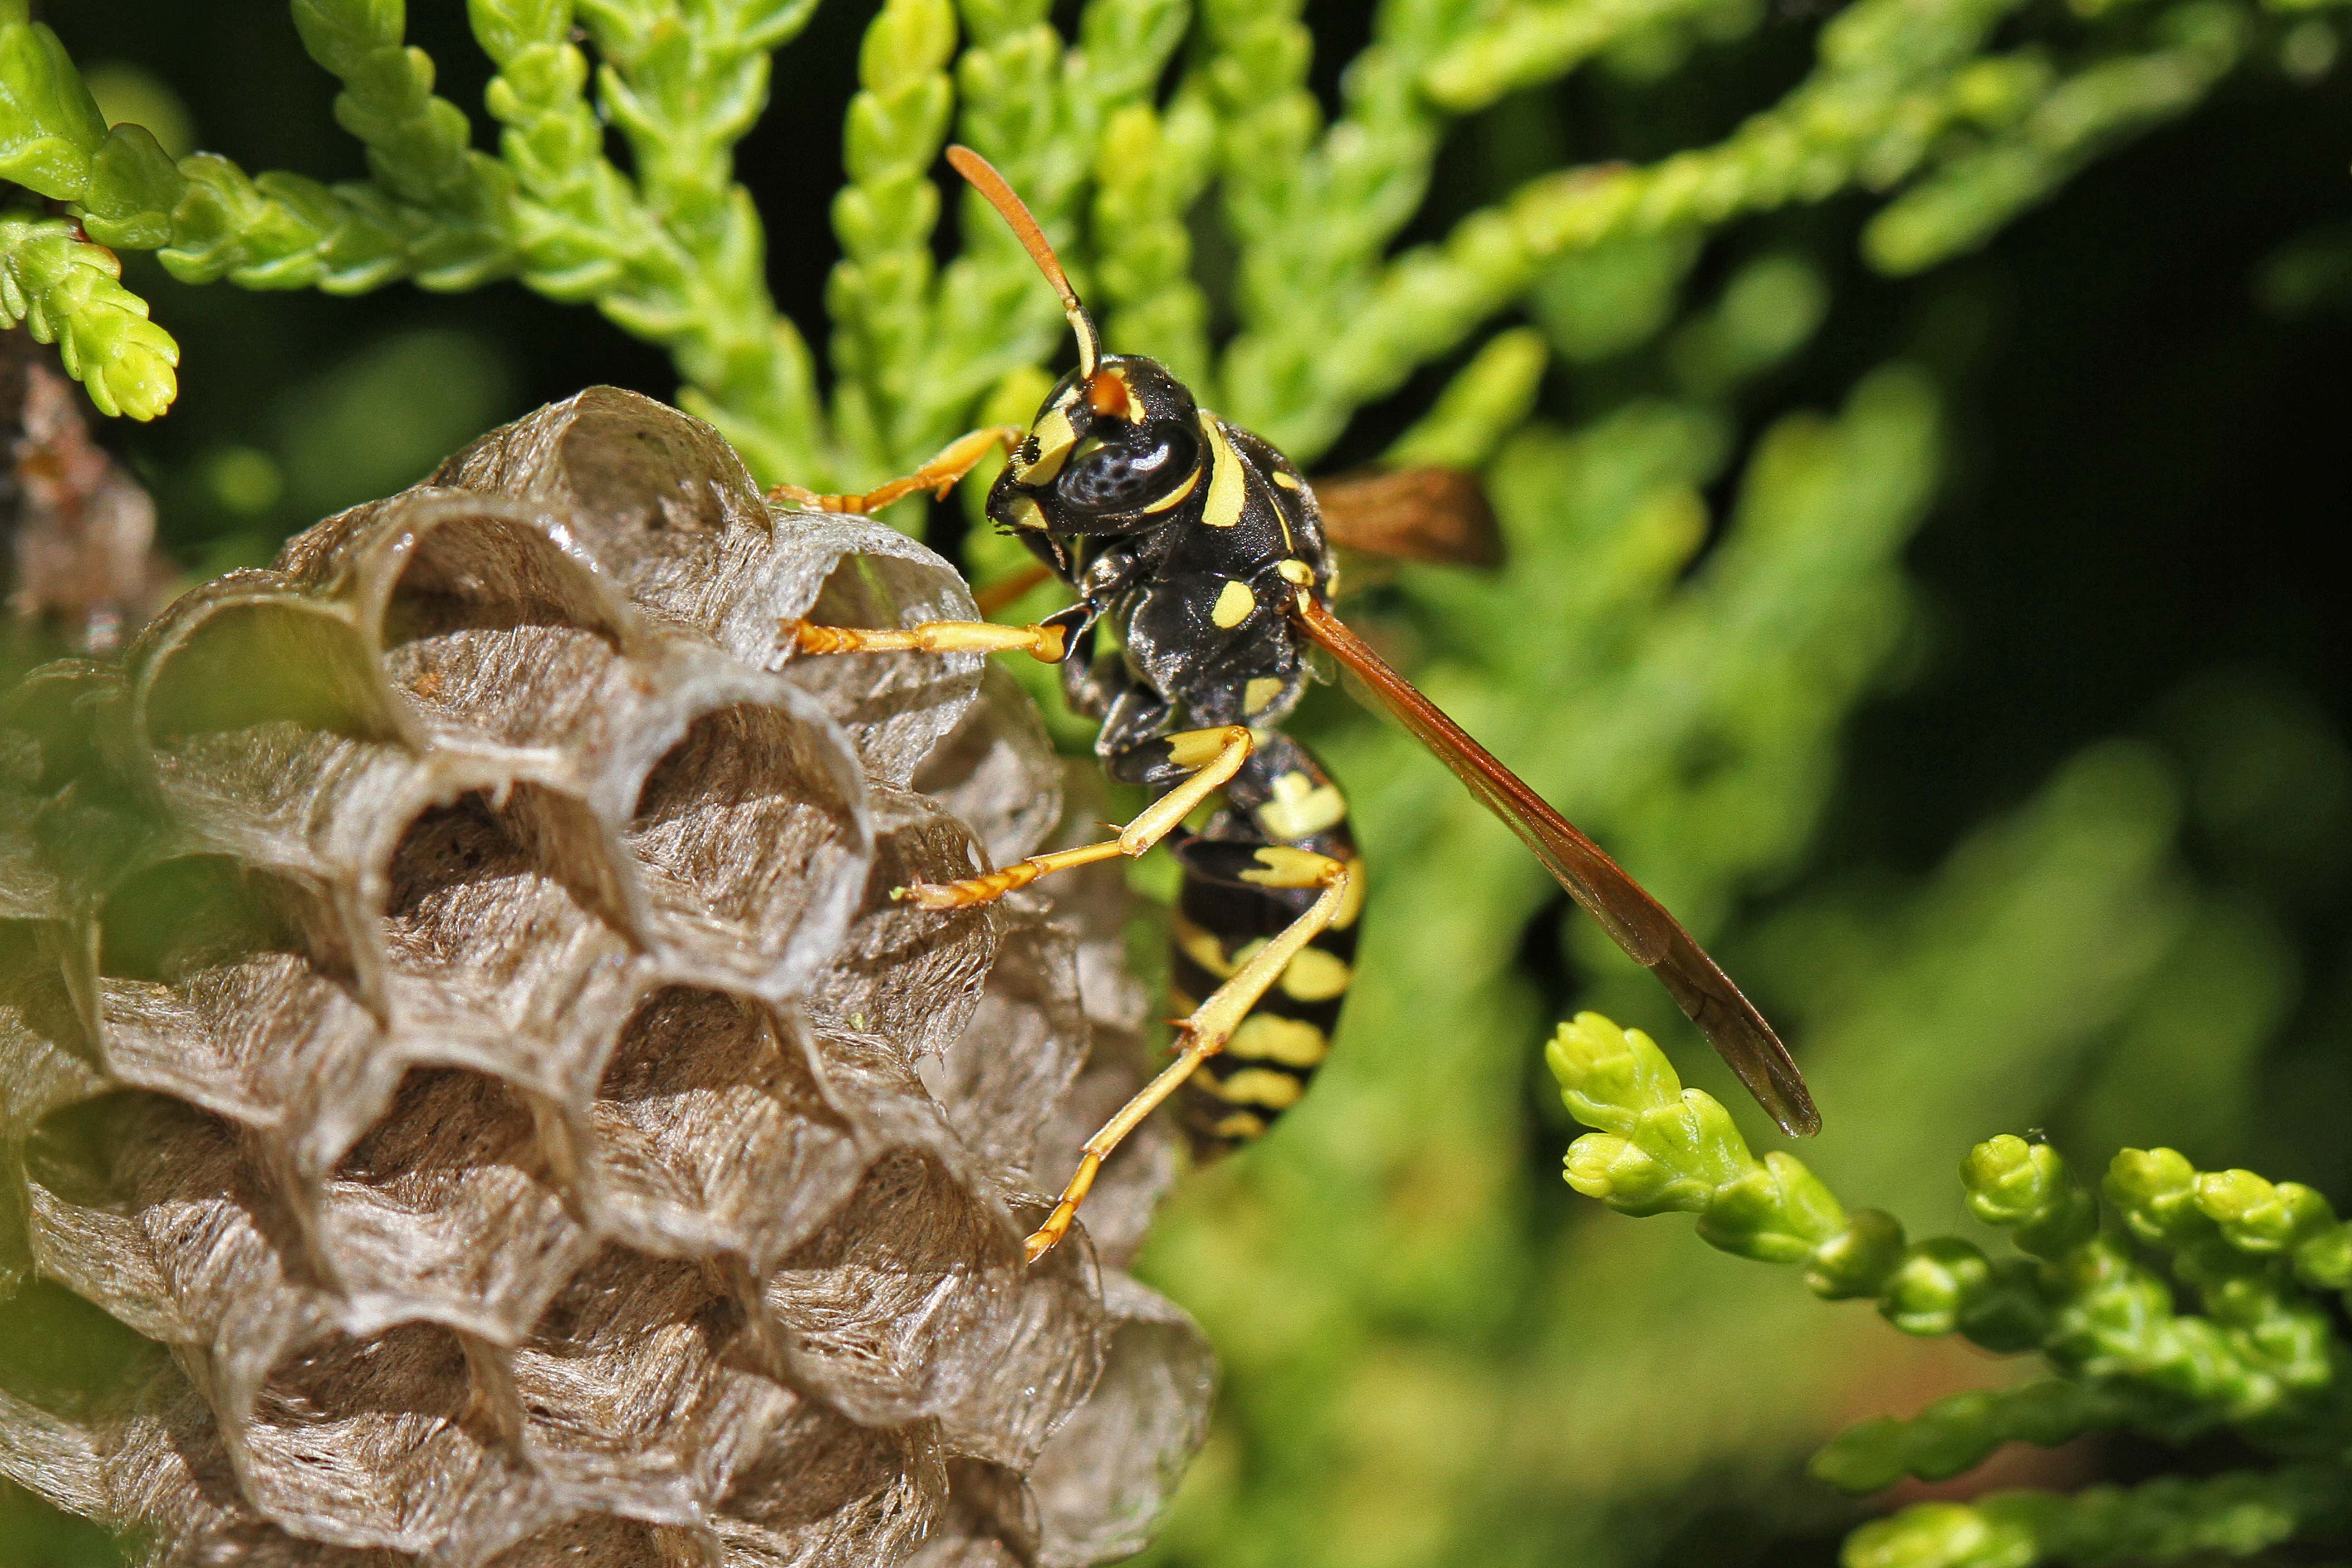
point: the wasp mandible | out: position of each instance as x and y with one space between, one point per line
1208 555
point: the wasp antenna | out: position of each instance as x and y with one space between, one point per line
985 179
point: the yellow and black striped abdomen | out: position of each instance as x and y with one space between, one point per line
1220 921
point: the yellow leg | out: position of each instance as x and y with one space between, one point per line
1204 1034
1006 592
938 476
1046 643
1214 754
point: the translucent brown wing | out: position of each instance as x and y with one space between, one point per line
1637 921
1412 514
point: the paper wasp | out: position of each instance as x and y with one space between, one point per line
1210 557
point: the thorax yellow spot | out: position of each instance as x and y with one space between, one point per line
1228 482
1235 604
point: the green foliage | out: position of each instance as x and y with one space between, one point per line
1902 95
69 292
1708 511
2263 1359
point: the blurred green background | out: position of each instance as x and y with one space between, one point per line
1956 652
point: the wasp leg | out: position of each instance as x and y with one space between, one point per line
1213 1023
1006 592
1213 755
938 476
1046 643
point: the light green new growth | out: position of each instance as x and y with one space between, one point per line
1903 99
68 292
2260 1358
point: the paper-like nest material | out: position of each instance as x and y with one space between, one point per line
451 1007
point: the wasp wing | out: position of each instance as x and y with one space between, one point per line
1412 515
1637 921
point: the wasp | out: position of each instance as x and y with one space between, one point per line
1210 559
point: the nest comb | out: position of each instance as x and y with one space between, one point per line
452 1013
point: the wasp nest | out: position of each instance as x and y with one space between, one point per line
451 1008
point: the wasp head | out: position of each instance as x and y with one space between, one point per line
1118 438
1108 451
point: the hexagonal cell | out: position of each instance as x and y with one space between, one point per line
913 1302
514 686
204 911
1105 1475
633 1388
450 1207
246 653
909 975
383 1442
152 1467
754 821
42 1040
827 1493
710 1133
491 626
1004 1076
479 566
896 706
510 943
997 770
598 1541
150 1207
223 984
60 798
644 482
990 1520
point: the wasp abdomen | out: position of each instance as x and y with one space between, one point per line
1224 912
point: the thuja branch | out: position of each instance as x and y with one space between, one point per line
68 291
2262 1359
675 256
1901 91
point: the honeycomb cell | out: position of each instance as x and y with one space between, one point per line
710 1132
450 1206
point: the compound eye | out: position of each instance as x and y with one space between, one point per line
1124 476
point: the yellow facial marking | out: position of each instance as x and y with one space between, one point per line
1257 1086
1264 1037
1287 480
1240 1125
1027 514
1261 691
1055 438
1296 572
1228 482
1316 975
1176 496
1351 903
1287 867
1235 605
1301 807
